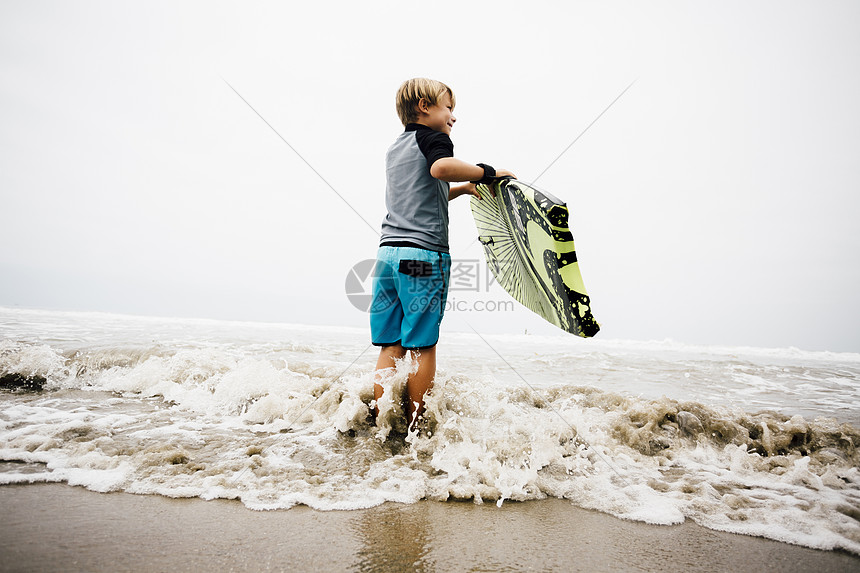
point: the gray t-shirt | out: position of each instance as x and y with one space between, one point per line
417 202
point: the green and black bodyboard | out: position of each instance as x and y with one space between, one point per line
530 250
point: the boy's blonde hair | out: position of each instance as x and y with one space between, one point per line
411 92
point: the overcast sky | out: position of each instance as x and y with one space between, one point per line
715 202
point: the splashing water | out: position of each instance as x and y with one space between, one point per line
762 442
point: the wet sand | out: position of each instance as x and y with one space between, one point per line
50 527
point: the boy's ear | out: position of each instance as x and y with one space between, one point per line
423 106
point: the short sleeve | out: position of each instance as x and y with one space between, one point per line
434 145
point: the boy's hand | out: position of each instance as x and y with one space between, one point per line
499 173
463 189
472 189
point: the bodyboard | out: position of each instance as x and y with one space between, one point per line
529 249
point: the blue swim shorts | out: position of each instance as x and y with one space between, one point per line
410 287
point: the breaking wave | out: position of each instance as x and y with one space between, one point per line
288 423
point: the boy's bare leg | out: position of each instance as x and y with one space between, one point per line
420 383
388 355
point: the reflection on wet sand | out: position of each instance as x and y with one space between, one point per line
393 537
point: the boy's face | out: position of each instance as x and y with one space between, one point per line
439 116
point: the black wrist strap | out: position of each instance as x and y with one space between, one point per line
489 174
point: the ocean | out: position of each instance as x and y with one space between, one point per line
756 441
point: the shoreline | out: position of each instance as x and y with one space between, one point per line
50 527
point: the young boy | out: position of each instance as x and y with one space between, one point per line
413 265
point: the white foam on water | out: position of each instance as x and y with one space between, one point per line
285 421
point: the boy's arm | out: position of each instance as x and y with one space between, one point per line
464 189
453 170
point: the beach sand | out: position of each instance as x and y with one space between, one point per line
51 527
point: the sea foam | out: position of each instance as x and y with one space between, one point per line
280 417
